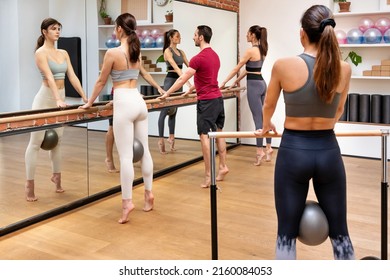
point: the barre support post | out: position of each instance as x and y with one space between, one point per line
213 202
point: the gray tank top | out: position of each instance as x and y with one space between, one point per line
127 74
305 102
254 66
177 58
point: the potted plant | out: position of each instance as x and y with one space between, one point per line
103 13
344 5
169 16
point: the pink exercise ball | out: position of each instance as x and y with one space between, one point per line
372 36
341 36
365 23
155 33
145 33
382 24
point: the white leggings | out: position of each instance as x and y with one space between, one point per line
43 100
131 121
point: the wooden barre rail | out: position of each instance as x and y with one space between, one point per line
251 134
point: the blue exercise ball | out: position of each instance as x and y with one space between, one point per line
138 150
372 36
354 36
386 36
313 227
50 140
149 42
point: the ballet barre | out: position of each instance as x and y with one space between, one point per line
383 133
17 122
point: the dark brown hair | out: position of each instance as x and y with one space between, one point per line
46 23
327 68
167 38
206 32
261 36
129 24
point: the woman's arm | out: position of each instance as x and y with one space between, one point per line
345 79
73 79
237 68
148 78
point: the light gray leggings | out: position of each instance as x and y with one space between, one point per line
256 90
131 121
43 100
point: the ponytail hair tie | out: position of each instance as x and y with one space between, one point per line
325 22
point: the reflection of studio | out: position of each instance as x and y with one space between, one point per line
63 154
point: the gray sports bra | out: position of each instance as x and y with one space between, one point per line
305 102
127 74
58 70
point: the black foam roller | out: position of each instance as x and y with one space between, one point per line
344 116
353 107
364 108
386 109
376 108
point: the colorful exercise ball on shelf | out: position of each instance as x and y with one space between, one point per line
160 41
149 42
141 41
372 36
354 36
111 43
365 23
145 33
341 36
155 33
383 24
386 36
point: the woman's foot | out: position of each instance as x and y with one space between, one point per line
29 190
259 159
111 166
206 183
127 207
222 173
56 179
171 144
268 153
149 201
161 147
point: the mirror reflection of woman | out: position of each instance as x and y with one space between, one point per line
174 58
53 64
130 114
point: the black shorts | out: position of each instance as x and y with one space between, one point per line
210 115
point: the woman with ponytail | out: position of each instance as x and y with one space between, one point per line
256 86
174 58
315 86
53 64
130 117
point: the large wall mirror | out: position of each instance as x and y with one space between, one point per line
84 173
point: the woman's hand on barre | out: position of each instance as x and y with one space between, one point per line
266 129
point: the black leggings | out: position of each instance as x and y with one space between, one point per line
305 156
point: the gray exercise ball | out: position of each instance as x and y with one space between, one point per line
138 150
313 227
50 140
172 111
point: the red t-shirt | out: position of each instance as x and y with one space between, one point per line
206 64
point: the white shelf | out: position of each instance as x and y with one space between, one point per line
381 45
357 14
370 78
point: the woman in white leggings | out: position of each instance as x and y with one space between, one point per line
53 64
130 115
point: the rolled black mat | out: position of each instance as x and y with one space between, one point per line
386 109
364 108
344 116
376 108
353 107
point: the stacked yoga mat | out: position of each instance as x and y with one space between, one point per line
368 108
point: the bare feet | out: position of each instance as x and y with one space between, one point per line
29 190
206 183
268 154
161 147
171 144
56 179
259 159
222 173
149 201
111 166
127 207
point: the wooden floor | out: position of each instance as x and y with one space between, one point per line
179 226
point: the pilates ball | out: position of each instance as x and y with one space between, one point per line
172 111
372 36
354 36
149 42
138 150
382 24
155 33
145 33
313 227
341 36
160 42
365 23
50 140
110 42
386 36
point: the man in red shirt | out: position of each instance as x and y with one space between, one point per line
210 108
